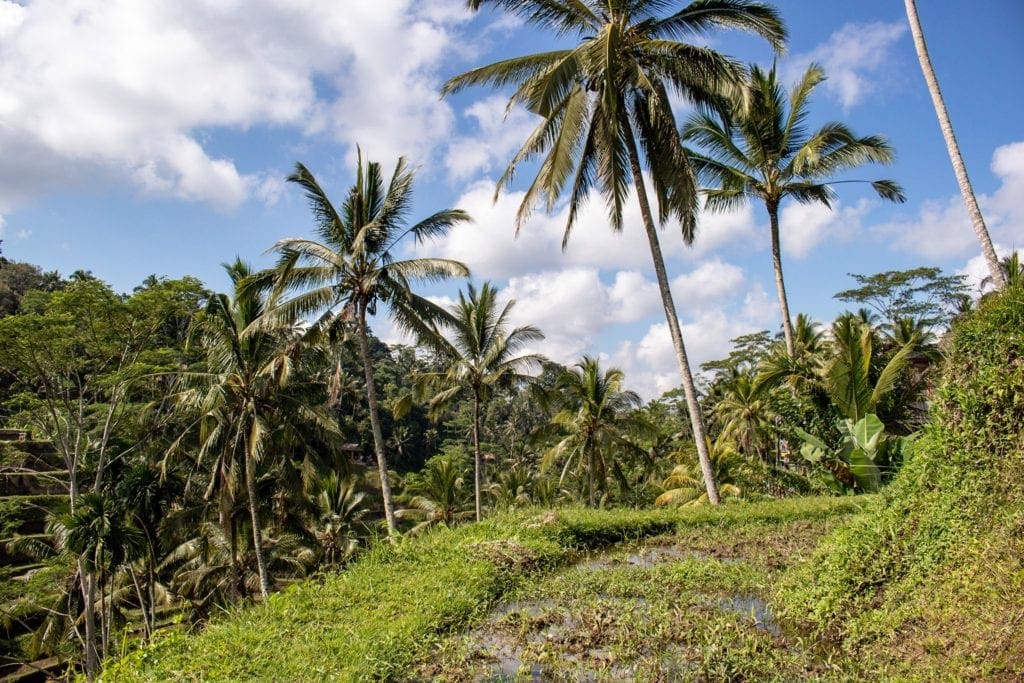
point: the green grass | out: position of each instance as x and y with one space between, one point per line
376 619
680 606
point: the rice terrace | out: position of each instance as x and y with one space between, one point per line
511 340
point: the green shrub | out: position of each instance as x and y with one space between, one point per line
934 568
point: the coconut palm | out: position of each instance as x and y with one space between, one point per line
606 109
246 396
338 513
437 494
353 269
1012 269
766 153
207 564
802 370
745 416
683 486
959 168
480 355
596 418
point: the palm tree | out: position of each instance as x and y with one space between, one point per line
207 564
245 396
338 513
353 269
1012 269
607 99
959 168
766 153
596 417
745 416
436 495
479 356
683 486
100 532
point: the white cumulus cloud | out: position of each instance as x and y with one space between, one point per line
941 228
129 92
855 59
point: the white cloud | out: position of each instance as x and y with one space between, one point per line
490 248
570 307
976 269
650 364
128 91
854 59
499 134
707 286
803 227
576 310
941 228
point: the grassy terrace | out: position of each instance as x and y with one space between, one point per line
395 613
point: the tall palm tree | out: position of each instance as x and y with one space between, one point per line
606 100
959 168
353 268
245 396
766 153
596 417
480 355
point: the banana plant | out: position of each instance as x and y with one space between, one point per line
866 452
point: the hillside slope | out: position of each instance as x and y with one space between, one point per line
933 577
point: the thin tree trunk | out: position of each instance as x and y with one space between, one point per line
146 633
477 455
92 660
227 524
257 535
973 210
780 285
690 391
378 436
590 476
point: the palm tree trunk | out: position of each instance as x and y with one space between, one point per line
378 436
227 523
780 285
973 210
92 660
692 406
478 459
257 532
590 476
146 633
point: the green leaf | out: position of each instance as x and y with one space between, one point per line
866 433
865 471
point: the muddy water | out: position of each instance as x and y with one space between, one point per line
518 629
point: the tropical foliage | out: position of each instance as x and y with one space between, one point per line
168 454
762 151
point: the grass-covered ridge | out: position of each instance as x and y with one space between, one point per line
374 619
934 576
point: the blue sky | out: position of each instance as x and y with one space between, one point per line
140 138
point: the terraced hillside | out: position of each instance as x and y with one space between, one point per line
569 592
32 485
